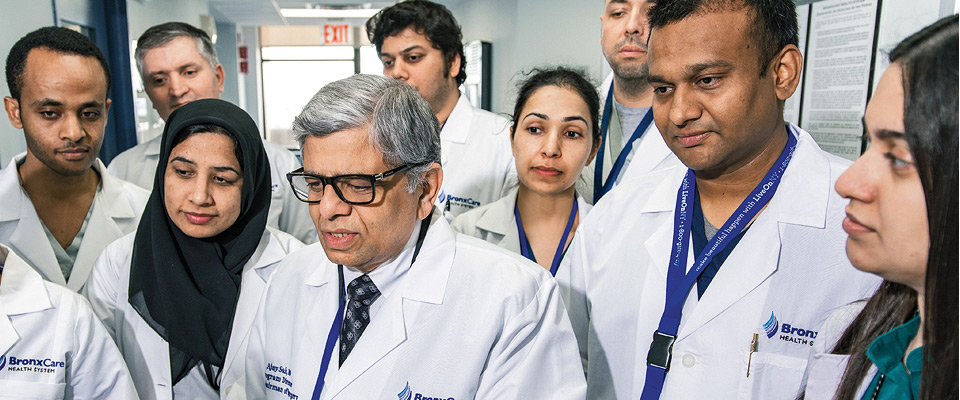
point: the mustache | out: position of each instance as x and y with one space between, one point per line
634 40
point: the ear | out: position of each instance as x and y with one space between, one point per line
13 111
455 66
106 109
787 67
513 146
218 72
430 189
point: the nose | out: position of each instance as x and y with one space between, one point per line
330 204
636 23
551 145
72 130
178 86
397 71
200 193
683 107
856 183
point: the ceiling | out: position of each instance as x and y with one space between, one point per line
267 12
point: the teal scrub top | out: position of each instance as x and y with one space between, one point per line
886 352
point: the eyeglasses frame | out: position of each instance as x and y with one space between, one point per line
330 181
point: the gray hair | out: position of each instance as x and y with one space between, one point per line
160 35
402 125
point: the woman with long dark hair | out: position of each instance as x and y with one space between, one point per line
901 222
179 294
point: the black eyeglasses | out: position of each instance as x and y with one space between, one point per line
357 189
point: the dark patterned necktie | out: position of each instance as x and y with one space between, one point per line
362 293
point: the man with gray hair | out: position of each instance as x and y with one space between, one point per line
391 302
178 64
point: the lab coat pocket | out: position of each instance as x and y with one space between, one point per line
11 389
823 375
772 376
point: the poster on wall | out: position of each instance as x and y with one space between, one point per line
839 56
791 108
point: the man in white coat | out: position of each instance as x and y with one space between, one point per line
419 42
178 64
708 279
631 145
391 303
58 206
52 346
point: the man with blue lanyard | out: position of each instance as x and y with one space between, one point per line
631 145
708 279
391 303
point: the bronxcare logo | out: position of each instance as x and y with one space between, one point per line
787 332
42 365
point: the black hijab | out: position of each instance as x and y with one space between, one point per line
187 288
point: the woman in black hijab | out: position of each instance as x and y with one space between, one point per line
179 294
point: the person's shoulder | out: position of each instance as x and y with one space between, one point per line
490 123
634 194
487 262
466 223
286 241
299 265
135 154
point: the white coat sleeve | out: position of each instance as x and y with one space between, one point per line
536 354
97 370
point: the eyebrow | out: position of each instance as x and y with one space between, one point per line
694 69
177 68
565 119
47 103
883 133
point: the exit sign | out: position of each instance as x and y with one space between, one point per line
337 34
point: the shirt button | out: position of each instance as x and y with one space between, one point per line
689 360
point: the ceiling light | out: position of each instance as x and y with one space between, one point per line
328 13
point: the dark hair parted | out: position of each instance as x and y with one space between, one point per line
928 61
209 128
60 40
774 24
427 18
562 77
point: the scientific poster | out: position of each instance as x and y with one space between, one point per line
839 57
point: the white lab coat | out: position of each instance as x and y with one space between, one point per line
467 320
138 165
790 265
655 153
477 161
48 323
496 223
116 212
145 352
824 370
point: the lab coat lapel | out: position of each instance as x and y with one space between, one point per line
423 285
663 199
252 285
31 242
21 291
456 128
320 314
109 208
499 220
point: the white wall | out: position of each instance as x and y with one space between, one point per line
528 33
16 21
229 58
142 14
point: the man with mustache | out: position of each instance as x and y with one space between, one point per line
707 279
58 206
631 145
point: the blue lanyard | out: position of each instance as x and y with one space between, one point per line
600 187
679 281
334 333
527 252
